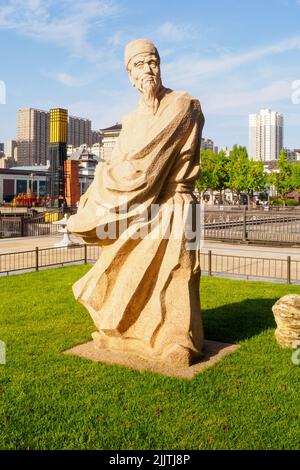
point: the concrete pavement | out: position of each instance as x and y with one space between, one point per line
10 245
14 245
238 249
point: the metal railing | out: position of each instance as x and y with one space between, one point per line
30 226
10 227
246 267
34 260
22 210
277 269
253 226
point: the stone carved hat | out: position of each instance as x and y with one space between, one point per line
139 46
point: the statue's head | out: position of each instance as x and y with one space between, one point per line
142 62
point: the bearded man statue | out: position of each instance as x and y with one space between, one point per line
143 292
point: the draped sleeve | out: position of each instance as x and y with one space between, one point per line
136 175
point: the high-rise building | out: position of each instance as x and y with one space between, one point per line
12 149
95 137
58 155
79 131
34 131
33 136
265 135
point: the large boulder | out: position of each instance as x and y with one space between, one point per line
287 316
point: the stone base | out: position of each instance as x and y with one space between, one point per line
174 355
213 353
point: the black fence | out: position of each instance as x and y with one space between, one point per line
284 269
34 260
245 267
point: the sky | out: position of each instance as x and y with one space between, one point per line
236 56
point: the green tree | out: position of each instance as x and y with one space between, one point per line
237 167
255 180
245 175
296 176
213 172
221 172
207 179
283 179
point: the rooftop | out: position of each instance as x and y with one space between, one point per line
116 127
30 168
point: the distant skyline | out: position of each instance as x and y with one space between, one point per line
235 56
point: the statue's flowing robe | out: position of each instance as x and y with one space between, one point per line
143 292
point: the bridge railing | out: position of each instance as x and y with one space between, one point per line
252 226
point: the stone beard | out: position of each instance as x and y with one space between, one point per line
143 292
149 90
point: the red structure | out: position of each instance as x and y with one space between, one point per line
72 188
294 195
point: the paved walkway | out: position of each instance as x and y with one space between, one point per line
238 249
13 245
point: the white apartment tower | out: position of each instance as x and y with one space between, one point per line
265 135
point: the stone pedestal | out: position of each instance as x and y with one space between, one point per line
213 351
66 241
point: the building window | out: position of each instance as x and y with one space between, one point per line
21 187
8 190
42 188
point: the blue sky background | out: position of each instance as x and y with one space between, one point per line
236 56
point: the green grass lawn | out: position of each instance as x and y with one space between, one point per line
250 400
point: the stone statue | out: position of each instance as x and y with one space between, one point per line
143 292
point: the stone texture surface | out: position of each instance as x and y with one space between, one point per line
213 352
143 293
287 316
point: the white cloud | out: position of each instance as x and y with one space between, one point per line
65 23
230 101
191 68
71 80
172 32
105 112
